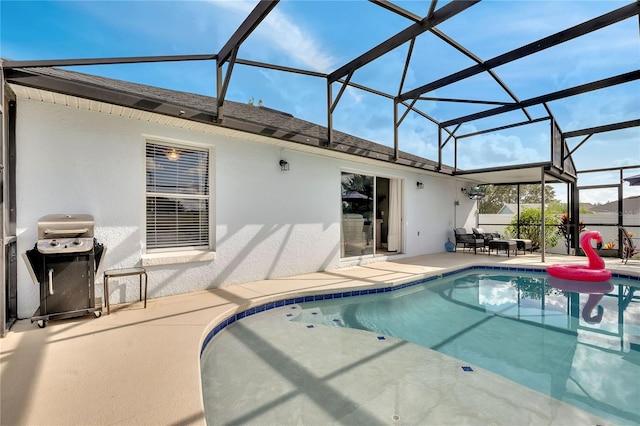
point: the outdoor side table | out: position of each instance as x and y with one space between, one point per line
126 272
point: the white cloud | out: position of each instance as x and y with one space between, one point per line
495 149
279 31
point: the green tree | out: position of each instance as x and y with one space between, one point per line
531 228
499 195
496 197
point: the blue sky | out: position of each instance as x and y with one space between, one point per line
323 35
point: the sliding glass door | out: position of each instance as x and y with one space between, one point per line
371 215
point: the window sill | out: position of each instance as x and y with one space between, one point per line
175 257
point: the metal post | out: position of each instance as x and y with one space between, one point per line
544 228
3 253
439 147
396 142
518 210
575 217
620 213
329 114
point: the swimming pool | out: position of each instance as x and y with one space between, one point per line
583 349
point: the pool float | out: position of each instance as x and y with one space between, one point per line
594 272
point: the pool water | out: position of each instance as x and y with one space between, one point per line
581 348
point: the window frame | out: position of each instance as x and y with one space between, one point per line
179 252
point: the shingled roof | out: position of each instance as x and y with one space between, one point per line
201 108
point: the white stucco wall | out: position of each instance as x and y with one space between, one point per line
268 223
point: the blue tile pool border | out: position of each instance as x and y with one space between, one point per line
342 294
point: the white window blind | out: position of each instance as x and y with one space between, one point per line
177 193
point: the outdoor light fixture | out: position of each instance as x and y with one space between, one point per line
173 155
420 185
284 165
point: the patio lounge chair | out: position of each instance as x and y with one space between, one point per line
521 244
629 249
486 236
467 238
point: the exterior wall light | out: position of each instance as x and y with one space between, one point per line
284 165
420 185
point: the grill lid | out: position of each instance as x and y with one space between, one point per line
65 233
65 226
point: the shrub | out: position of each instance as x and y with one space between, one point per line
531 228
565 229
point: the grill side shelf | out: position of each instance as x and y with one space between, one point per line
33 259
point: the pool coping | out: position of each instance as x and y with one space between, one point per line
256 307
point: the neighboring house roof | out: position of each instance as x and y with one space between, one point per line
630 205
191 106
512 208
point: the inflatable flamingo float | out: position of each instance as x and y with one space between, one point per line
594 272
591 279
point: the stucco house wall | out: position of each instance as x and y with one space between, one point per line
267 223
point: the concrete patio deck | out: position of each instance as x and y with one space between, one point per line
141 366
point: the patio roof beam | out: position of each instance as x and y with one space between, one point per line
572 91
342 89
445 12
463 101
9 64
409 108
460 172
229 51
223 85
432 8
451 42
280 68
537 46
428 117
450 136
245 29
508 126
366 89
405 70
576 147
311 74
602 129
610 169
398 10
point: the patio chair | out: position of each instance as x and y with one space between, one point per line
629 249
486 236
468 239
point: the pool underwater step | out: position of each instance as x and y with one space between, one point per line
345 376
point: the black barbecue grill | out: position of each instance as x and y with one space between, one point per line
64 262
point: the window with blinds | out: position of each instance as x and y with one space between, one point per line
177 192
